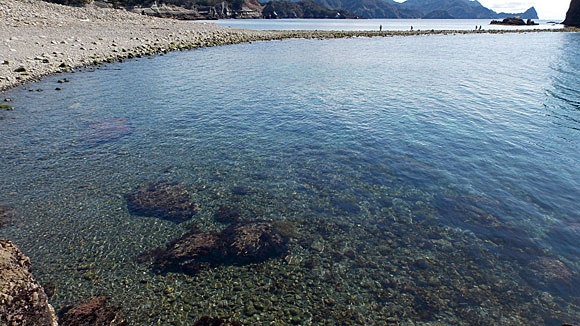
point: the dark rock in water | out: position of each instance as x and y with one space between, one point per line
208 321
253 242
49 289
239 191
6 215
573 14
345 206
227 214
95 312
514 21
108 130
187 253
238 244
165 200
23 301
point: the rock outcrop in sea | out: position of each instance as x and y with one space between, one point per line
573 14
23 301
238 244
95 312
166 200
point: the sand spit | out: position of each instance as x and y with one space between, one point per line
38 38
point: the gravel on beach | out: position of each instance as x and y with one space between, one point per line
39 38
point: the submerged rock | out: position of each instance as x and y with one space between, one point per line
253 242
95 312
22 299
165 200
227 214
208 321
187 253
238 244
6 215
107 130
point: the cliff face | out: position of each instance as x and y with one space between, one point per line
573 15
22 300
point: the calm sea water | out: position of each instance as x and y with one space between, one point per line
373 24
429 179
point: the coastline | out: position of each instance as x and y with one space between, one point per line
40 39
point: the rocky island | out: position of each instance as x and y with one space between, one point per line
514 21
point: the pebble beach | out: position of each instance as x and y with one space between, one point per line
40 39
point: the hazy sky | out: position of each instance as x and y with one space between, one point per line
547 9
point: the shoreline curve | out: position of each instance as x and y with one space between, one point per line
41 39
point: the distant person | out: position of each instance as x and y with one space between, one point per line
380 28
411 28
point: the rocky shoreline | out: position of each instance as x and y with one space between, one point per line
40 39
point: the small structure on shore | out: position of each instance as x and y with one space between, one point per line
514 21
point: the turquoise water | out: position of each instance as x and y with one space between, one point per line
373 24
428 179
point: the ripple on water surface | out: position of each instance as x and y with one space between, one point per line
412 179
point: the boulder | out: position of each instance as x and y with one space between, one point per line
22 299
239 244
166 200
187 253
573 14
95 312
253 242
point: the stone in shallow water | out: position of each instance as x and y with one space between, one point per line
208 321
22 299
95 312
238 244
107 130
253 242
165 200
227 214
6 215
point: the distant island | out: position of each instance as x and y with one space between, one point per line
218 9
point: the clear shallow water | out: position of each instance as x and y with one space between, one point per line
373 24
429 178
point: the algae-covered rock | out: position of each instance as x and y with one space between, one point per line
187 253
22 299
170 201
253 242
238 244
95 312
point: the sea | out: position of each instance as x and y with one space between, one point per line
421 180
376 24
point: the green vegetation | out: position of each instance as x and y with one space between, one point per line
302 9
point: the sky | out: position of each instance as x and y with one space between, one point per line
547 9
